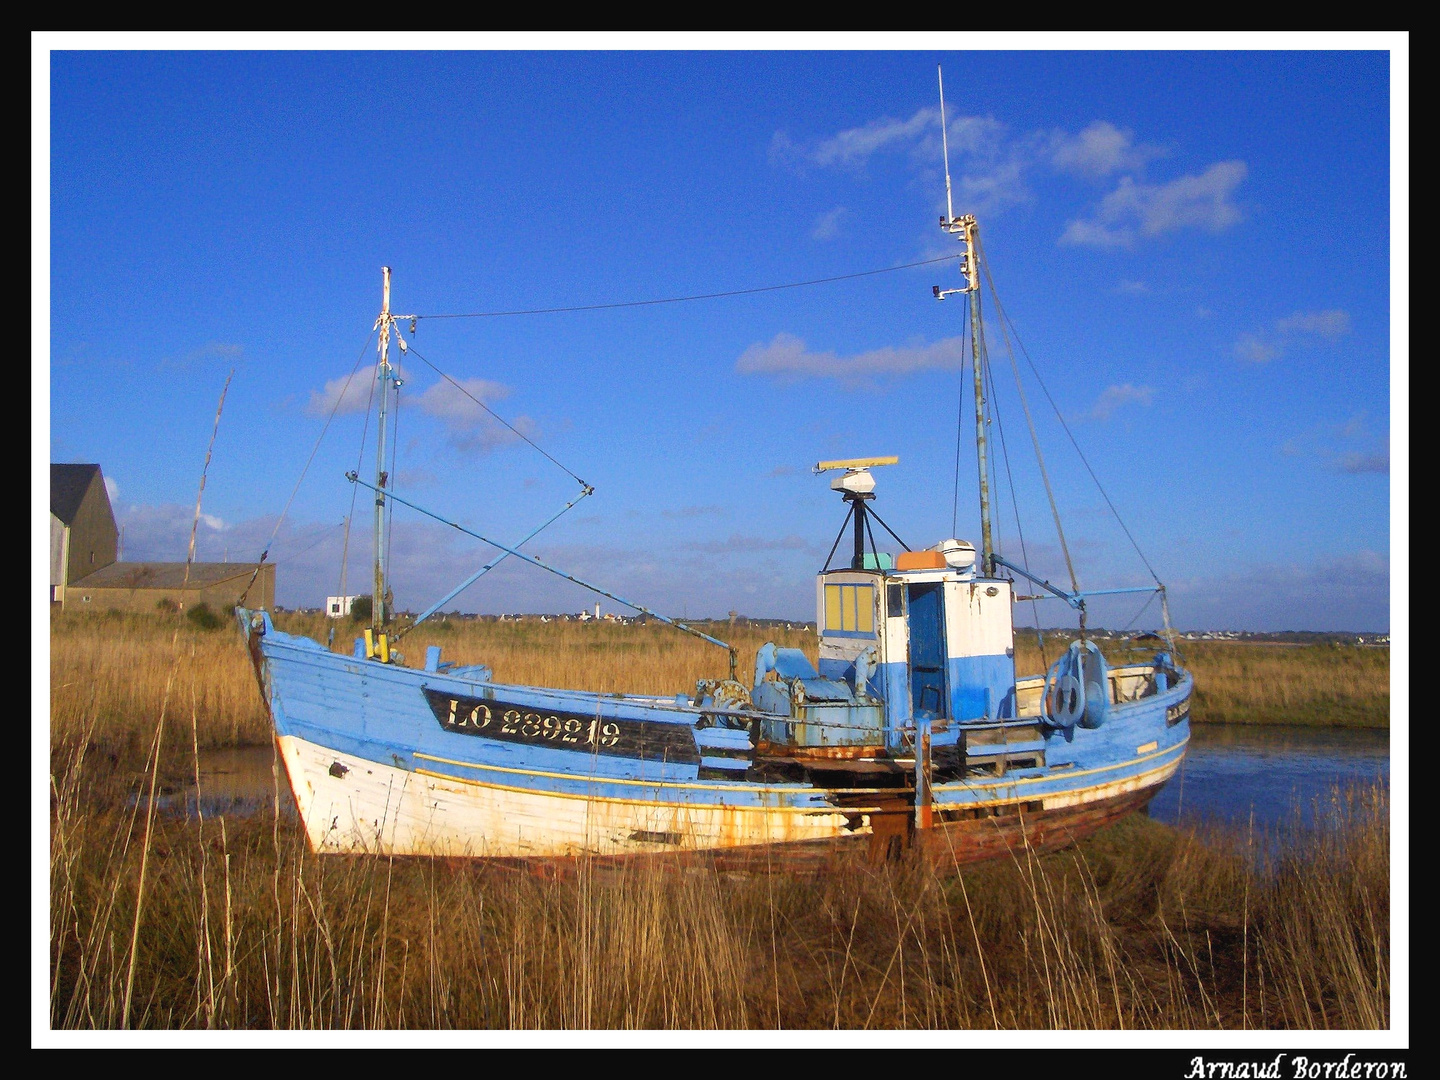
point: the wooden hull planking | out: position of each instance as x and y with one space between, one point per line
350 805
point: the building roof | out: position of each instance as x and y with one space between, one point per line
68 484
164 575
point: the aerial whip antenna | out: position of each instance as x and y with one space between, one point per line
945 144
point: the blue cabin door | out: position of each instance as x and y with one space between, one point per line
927 649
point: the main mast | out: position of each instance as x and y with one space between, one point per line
968 230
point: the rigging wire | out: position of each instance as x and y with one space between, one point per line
314 450
992 405
1034 438
498 417
364 436
1019 528
320 538
390 484
1148 601
686 299
1084 460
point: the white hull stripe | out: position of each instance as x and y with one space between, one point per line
351 804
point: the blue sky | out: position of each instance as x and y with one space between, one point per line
1195 248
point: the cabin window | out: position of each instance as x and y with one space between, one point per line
895 600
850 608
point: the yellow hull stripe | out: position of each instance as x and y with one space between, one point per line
674 785
669 804
1075 794
966 786
634 783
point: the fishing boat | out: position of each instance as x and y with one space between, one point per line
912 731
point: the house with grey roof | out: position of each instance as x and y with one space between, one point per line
84 573
83 536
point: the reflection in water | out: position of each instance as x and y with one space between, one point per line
235 782
1232 769
1228 771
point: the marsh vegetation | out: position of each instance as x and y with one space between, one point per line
169 921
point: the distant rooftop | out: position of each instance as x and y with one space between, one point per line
68 484
163 575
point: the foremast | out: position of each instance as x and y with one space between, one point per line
390 383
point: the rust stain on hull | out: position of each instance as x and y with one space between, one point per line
947 846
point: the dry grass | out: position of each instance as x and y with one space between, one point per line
1240 682
1139 927
113 669
234 924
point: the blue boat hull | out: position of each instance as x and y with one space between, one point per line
387 759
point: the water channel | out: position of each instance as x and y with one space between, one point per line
1232 770
1229 772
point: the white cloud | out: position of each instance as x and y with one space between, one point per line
1364 463
1261 347
855 146
827 225
988 168
1135 210
217 350
737 544
987 187
162 533
112 489
694 512
470 426
787 357
1348 591
1099 150
1113 397
1250 347
342 395
1328 324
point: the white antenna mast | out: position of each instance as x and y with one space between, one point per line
945 143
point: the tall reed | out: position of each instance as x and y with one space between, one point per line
1140 926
